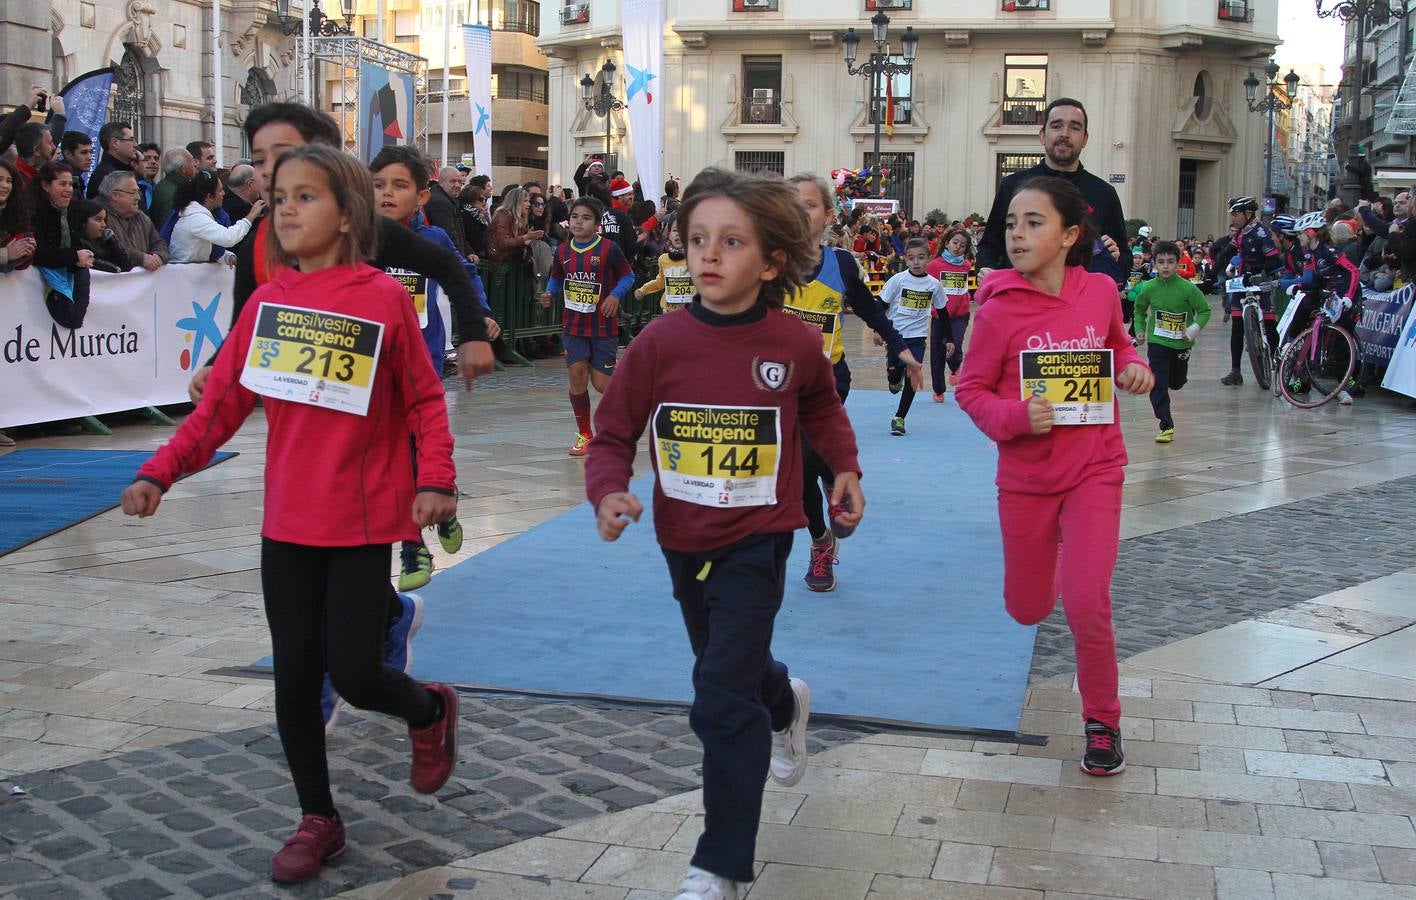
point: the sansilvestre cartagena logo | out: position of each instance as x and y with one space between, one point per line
199 330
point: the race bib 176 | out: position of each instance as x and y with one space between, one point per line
721 456
1078 384
1170 325
313 357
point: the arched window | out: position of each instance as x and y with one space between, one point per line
258 89
1204 95
127 105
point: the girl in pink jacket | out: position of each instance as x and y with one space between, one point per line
1046 353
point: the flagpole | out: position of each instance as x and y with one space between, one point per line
447 62
305 56
219 102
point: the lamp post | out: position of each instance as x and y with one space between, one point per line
1376 12
320 24
1269 104
879 67
605 101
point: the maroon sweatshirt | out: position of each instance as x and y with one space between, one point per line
332 478
723 397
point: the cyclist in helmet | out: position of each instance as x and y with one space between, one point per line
1290 250
1256 258
1326 272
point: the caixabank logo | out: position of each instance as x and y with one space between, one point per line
200 333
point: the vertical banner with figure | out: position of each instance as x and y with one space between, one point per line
385 109
642 23
86 105
1401 371
477 40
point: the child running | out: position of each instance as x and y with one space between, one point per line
595 276
400 190
910 297
1170 311
338 456
726 452
673 278
1059 482
947 327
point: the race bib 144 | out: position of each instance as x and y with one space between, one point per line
721 456
313 357
1078 384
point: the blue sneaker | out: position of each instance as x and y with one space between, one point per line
330 702
398 643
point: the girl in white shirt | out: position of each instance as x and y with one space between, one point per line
197 230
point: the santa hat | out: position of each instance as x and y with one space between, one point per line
595 164
619 188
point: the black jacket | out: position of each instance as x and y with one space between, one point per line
398 246
49 251
618 227
1106 217
441 210
109 164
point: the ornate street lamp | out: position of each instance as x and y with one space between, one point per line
1375 12
1270 103
879 66
605 101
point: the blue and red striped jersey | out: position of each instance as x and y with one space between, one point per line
587 275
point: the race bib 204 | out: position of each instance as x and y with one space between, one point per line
313 357
721 456
1078 384
678 288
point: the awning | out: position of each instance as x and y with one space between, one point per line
1404 177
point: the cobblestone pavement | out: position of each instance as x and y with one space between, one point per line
1193 579
203 817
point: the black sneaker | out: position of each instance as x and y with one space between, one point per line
1104 754
1232 379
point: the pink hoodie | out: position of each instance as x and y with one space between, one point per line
1086 316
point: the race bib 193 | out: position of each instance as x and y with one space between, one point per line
721 456
954 282
313 357
1170 325
1078 384
582 296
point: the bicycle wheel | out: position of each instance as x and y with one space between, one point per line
1259 359
1317 366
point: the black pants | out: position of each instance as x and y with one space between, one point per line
328 612
1171 368
942 332
814 471
740 693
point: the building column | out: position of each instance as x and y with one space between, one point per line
25 46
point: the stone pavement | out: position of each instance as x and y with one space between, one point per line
1262 597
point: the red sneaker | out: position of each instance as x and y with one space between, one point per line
318 839
435 747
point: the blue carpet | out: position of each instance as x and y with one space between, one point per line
44 491
915 631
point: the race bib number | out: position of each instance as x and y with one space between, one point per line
1078 384
954 282
582 296
916 300
817 319
1170 325
678 289
417 287
1235 285
313 357
720 456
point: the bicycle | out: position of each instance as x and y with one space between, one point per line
1318 364
1260 356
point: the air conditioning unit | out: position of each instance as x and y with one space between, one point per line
575 14
759 113
1235 11
1030 4
756 4
763 94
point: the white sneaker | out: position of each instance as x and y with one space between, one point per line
1344 398
789 746
701 885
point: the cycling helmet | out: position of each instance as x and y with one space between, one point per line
1243 204
1283 223
1145 231
1312 221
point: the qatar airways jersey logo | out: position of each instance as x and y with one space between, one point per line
1046 341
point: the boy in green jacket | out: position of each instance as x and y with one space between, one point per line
1169 313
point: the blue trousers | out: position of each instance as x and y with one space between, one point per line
740 693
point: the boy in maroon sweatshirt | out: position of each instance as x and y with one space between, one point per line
724 388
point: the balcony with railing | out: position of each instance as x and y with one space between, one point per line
1023 111
575 14
761 110
1236 11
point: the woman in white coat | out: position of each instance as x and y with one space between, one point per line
196 230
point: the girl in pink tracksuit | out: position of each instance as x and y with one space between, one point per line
1056 484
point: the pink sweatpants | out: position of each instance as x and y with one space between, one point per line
1087 519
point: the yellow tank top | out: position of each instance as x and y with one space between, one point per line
821 302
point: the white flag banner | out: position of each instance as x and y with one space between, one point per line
477 40
144 335
642 24
1401 371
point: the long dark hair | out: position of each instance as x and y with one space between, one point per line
15 217
1072 207
204 184
80 211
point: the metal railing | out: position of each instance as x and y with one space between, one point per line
1023 112
761 111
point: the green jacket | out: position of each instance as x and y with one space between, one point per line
1166 307
164 198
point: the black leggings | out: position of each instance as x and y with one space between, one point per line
1236 339
327 608
814 471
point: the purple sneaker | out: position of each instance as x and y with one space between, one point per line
820 576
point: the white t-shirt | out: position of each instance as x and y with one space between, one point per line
909 298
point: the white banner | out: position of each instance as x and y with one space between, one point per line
144 336
1401 371
477 39
642 24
